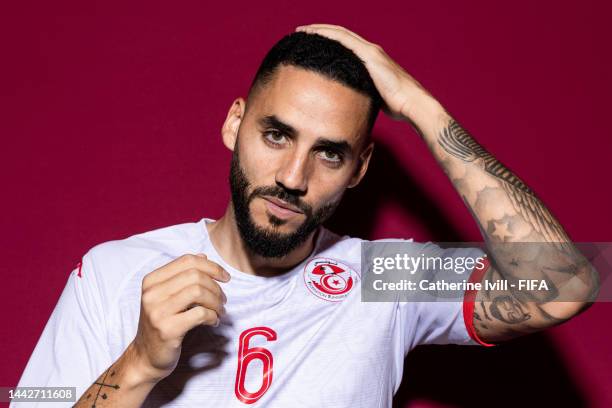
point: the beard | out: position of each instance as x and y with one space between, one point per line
270 243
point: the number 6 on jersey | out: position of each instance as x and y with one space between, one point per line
246 355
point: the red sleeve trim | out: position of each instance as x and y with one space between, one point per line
468 302
79 265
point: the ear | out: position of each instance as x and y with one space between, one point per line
362 167
229 131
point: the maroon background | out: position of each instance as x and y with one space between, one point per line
111 121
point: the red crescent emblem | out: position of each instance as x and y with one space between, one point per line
328 286
329 279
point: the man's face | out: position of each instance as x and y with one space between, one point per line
298 147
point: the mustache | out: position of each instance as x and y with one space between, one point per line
280 193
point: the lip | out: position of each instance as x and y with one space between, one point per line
281 207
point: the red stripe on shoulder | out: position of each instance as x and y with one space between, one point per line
469 298
79 265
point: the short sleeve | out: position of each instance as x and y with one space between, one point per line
72 350
444 322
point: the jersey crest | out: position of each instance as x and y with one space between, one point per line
329 279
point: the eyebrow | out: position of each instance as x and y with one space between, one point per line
321 143
273 121
339 147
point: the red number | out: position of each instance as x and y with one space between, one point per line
246 355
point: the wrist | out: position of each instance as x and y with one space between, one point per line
424 112
138 373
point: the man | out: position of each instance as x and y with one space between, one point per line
263 306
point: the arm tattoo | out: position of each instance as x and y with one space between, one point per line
509 310
105 383
458 143
521 210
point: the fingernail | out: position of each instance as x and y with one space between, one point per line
226 275
217 323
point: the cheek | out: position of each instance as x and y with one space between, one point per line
328 187
258 164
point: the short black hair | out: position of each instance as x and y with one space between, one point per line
323 55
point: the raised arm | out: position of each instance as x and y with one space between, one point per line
523 239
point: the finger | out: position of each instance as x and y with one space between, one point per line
184 262
193 295
319 25
323 25
330 29
164 290
351 41
183 322
326 30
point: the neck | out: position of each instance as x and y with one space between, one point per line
225 237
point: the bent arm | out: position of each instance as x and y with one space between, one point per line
507 211
524 241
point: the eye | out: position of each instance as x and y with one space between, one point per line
331 156
274 137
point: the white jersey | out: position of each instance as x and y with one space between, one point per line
303 339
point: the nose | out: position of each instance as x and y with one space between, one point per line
293 174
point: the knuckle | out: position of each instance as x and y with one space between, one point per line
215 288
196 290
188 259
209 317
201 313
146 281
208 285
147 298
378 49
193 274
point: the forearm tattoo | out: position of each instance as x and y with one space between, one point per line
542 235
457 142
99 390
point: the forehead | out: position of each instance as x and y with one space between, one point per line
313 104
